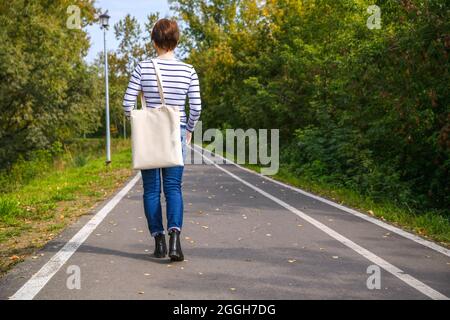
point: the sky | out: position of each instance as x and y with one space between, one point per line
118 9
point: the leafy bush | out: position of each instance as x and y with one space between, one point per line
80 160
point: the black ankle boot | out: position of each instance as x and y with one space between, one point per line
160 246
175 252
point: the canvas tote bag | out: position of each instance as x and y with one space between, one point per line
155 133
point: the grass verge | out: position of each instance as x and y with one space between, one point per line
34 213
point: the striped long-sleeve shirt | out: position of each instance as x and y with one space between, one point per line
179 81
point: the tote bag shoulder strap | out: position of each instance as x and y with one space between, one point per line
159 81
143 103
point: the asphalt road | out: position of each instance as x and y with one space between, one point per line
244 237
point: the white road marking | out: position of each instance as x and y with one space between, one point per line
32 287
411 281
403 233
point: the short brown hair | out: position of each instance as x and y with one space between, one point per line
166 34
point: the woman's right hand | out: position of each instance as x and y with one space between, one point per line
188 137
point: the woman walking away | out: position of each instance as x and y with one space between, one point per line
179 80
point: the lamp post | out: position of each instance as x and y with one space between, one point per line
104 22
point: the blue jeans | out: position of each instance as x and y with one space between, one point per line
172 179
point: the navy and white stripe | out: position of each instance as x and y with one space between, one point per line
179 81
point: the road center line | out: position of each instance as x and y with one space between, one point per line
32 287
408 279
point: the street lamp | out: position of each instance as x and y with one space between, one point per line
104 22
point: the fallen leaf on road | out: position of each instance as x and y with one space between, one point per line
14 258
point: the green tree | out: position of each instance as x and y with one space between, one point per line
360 108
46 87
